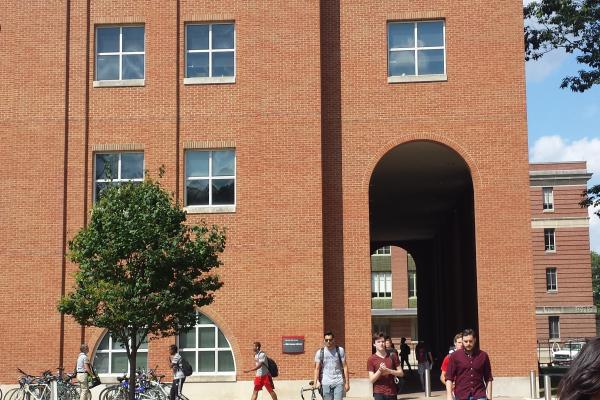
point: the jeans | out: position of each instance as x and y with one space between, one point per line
333 392
176 388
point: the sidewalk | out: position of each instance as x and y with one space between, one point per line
437 395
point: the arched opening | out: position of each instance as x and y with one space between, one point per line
421 200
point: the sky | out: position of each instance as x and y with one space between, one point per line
563 125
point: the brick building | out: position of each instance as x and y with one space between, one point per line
316 132
561 258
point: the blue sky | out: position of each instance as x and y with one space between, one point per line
563 125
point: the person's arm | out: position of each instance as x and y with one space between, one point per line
488 390
316 381
430 359
443 377
398 370
373 376
346 376
449 386
86 365
259 363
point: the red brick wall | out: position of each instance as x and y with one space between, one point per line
399 277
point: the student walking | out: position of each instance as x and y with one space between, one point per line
383 369
84 370
176 362
263 378
331 369
404 354
425 361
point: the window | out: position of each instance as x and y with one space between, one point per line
412 283
551 283
119 53
382 251
548 198
207 349
381 284
416 49
553 327
209 53
210 178
111 357
116 168
549 239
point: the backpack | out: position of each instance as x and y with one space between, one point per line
272 367
322 358
186 368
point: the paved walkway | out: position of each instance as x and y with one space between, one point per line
437 395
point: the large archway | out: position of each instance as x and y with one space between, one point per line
421 199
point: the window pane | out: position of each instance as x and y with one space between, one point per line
430 34
226 361
401 35
107 167
431 62
223 191
144 344
223 163
101 363
197 65
203 319
222 64
206 361
116 345
190 357
107 40
187 339
133 66
222 36
107 68
197 192
132 165
402 63
101 187
104 343
119 363
223 341
196 163
206 338
141 360
133 38
197 37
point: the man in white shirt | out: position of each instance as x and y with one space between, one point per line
331 369
263 377
178 375
83 371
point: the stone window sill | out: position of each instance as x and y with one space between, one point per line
417 78
122 83
219 80
209 210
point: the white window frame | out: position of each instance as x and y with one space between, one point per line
550 240
210 208
211 79
383 251
548 199
551 279
110 351
120 53
414 284
379 279
553 334
118 178
416 77
215 349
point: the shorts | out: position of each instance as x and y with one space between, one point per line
264 380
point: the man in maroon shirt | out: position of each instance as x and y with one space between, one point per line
469 371
383 368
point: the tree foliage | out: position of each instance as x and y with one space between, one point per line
596 278
572 25
142 270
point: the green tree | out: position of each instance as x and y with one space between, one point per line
596 278
572 25
142 270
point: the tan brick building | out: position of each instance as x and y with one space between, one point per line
562 271
315 131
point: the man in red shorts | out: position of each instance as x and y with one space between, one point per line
262 378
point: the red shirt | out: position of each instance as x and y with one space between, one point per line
385 384
444 366
470 373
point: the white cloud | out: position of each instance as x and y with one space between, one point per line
555 148
539 70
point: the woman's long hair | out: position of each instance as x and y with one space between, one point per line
582 381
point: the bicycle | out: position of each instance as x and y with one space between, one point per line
30 388
311 388
165 388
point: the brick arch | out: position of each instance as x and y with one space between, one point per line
456 147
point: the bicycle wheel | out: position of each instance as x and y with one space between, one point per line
116 393
11 393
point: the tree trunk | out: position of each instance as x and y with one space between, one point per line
132 369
